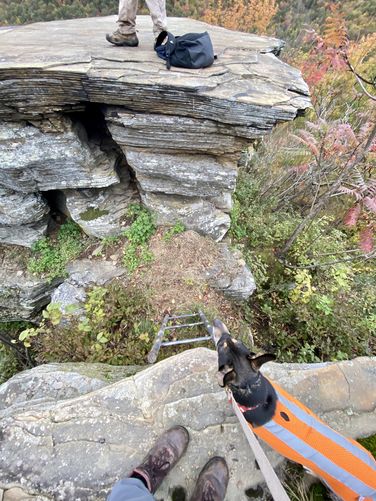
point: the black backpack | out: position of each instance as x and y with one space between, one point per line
193 50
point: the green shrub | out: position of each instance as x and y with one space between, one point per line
9 364
175 230
138 235
12 360
51 256
307 310
115 328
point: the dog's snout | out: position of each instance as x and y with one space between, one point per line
225 374
220 379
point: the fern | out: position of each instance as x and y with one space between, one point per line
335 32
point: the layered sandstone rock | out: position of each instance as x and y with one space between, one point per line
181 131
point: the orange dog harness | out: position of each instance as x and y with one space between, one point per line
297 433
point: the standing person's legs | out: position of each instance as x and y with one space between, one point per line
127 16
125 35
130 489
158 15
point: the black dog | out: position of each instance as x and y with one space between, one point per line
239 370
289 427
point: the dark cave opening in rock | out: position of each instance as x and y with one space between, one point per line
55 200
92 119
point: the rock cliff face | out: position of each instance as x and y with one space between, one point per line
106 125
67 435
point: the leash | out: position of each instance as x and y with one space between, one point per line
272 481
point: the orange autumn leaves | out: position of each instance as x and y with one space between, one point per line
242 15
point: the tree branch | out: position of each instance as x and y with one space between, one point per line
22 355
360 79
362 257
357 74
324 198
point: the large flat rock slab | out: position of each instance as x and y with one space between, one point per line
76 448
247 85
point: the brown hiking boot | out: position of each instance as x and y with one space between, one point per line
166 452
212 481
118 38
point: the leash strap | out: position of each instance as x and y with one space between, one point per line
276 489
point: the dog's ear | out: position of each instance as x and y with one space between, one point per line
257 362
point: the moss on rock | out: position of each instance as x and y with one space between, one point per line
92 213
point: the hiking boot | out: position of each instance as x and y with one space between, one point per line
212 481
118 38
166 452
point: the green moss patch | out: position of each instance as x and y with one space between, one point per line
92 213
50 256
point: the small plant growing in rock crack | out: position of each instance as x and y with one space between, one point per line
50 256
138 235
175 230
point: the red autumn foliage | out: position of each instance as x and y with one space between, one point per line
352 216
366 242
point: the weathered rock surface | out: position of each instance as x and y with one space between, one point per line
181 130
102 212
23 217
22 298
22 295
53 382
19 494
46 445
231 275
169 133
33 161
186 175
18 208
25 234
195 213
82 274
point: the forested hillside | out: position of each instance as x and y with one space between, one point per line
288 19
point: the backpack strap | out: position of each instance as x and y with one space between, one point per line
169 46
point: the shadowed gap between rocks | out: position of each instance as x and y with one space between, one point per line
91 128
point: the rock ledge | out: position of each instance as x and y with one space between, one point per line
47 442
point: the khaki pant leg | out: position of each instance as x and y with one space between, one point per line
157 10
127 16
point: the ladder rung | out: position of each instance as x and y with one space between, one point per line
182 325
186 341
184 316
